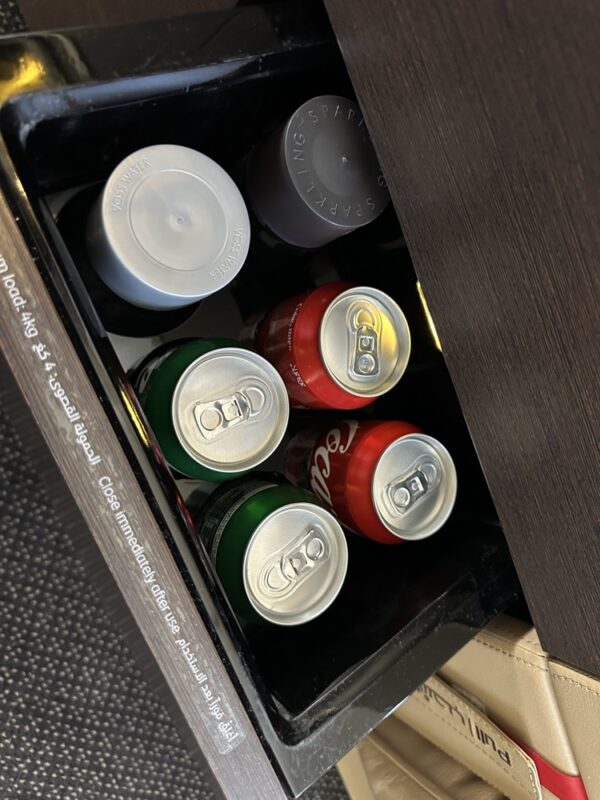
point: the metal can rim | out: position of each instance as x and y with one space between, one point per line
337 581
448 504
280 430
401 327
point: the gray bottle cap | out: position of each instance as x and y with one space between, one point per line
295 564
365 341
414 486
230 410
318 178
169 228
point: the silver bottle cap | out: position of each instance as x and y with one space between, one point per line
295 564
169 228
230 410
365 341
318 178
414 486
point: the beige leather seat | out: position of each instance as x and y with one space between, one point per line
499 720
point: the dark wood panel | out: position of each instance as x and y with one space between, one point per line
485 119
43 15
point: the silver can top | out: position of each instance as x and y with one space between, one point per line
170 228
318 177
364 341
230 409
295 564
414 486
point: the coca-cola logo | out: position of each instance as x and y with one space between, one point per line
337 440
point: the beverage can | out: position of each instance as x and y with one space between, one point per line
280 555
388 481
338 346
216 409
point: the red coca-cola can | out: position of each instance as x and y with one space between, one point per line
338 346
388 481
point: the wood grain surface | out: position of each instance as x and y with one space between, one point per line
66 409
485 117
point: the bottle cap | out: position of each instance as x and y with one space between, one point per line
318 177
169 228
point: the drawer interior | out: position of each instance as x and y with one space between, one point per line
403 610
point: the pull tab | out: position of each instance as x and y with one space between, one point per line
405 492
365 333
216 417
287 569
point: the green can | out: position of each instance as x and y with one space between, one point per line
217 409
280 555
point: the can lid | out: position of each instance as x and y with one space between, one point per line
295 563
364 341
414 486
230 409
176 223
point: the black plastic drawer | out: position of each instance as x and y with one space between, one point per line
216 83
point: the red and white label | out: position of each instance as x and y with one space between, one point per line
338 466
334 446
